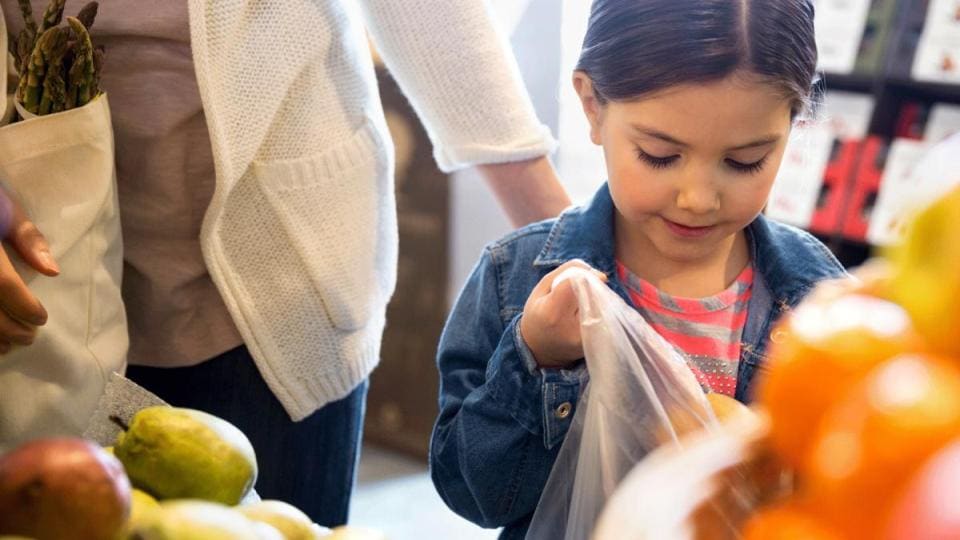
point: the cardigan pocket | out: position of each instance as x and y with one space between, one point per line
339 212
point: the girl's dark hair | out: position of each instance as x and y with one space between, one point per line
635 47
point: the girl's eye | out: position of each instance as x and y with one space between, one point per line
655 161
747 168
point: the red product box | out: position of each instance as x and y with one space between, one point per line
836 185
866 185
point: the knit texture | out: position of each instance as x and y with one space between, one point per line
455 68
301 235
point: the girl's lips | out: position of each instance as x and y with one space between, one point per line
688 232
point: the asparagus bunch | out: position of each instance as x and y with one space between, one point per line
59 66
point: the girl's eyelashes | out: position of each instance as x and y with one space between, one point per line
655 161
658 162
748 168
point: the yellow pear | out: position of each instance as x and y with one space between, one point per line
175 453
926 279
141 503
199 520
286 518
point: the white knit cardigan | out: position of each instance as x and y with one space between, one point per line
301 234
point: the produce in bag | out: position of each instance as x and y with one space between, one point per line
640 394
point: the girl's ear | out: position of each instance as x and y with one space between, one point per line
591 105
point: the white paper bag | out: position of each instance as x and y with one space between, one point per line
61 169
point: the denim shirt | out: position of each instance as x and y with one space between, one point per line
502 418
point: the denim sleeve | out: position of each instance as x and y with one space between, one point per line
501 417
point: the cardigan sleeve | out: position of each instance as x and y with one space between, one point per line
459 73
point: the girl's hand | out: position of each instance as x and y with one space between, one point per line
550 325
20 311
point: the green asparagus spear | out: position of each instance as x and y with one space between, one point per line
52 15
81 76
27 11
54 94
25 40
36 71
98 53
88 14
22 47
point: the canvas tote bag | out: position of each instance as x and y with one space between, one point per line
60 168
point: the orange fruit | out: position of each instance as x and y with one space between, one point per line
873 278
872 442
828 343
786 521
928 506
926 279
726 408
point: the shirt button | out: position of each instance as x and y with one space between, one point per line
778 336
563 410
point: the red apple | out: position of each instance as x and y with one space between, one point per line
62 488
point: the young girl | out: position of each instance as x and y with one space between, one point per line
692 102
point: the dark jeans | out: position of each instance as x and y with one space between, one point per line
311 464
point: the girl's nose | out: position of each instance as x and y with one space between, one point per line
698 197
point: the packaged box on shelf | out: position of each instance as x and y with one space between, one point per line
876 34
836 186
866 184
840 25
916 174
796 190
937 60
898 187
815 152
938 52
943 122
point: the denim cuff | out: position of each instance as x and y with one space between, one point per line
542 400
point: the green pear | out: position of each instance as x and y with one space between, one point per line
199 520
286 518
175 453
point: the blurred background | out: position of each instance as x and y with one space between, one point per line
891 70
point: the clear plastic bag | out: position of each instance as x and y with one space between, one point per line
641 394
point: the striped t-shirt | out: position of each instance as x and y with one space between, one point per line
706 331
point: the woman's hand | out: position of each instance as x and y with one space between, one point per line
550 325
20 311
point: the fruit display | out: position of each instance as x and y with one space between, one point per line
863 396
173 474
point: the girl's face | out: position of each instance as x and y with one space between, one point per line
690 166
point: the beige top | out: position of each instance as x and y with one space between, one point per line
165 176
